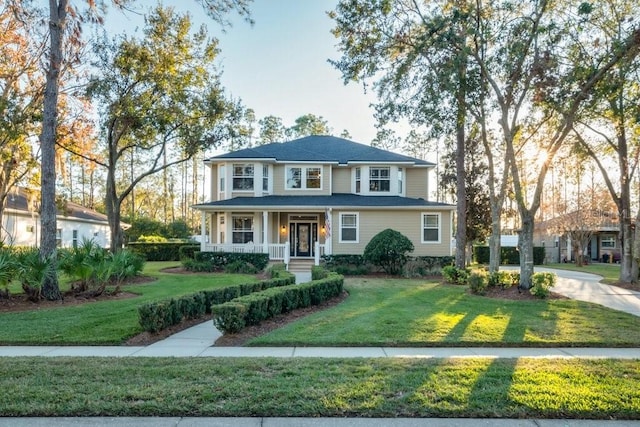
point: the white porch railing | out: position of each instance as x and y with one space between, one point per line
275 251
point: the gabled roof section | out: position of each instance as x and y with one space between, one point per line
19 201
320 149
337 200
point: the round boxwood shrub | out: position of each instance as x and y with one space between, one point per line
388 250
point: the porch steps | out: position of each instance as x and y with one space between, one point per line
300 265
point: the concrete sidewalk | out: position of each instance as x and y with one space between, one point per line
303 422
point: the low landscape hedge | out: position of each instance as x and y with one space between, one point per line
508 255
218 261
248 310
159 315
416 266
160 251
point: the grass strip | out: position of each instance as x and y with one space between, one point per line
382 312
513 388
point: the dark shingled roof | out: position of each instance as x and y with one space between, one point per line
321 149
335 200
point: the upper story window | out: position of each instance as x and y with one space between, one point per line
430 228
358 180
379 179
303 178
265 178
314 176
243 177
400 180
222 177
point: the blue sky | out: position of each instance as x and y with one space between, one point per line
279 65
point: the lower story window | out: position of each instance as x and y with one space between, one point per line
349 227
242 229
608 242
74 242
430 228
59 237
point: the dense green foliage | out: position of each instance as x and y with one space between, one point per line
218 261
388 250
251 309
418 266
160 315
508 255
162 251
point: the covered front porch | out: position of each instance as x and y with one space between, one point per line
282 235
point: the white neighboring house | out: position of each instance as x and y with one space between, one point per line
21 224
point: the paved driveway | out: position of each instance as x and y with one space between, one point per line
587 287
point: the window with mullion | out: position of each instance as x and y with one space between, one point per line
243 177
430 228
349 227
242 229
379 179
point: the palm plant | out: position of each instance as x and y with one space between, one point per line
81 264
8 269
32 271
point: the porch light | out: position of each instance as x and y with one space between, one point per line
284 228
322 229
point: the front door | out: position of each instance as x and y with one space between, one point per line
303 240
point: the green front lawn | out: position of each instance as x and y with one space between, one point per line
105 322
514 388
609 272
382 312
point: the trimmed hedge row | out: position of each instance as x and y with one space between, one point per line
416 266
508 255
248 310
159 315
161 251
217 261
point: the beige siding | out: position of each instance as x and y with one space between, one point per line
279 182
416 182
341 180
214 182
408 223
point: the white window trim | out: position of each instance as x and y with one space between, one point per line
370 180
357 227
234 176
303 177
422 228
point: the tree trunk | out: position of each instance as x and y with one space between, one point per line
57 13
461 191
635 267
113 204
494 239
525 244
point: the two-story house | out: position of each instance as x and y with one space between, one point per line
320 195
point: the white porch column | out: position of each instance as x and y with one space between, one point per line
316 253
287 254
265 231
203 229
568 248
329 230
